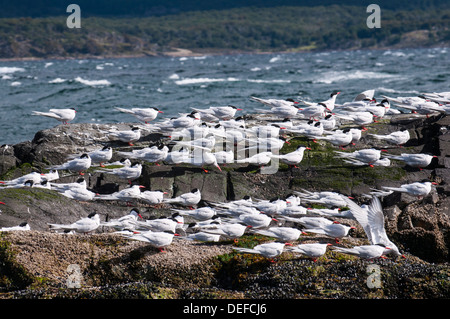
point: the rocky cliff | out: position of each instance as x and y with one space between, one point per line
420 227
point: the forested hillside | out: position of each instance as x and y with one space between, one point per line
284 28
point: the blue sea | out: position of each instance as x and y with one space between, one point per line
176 84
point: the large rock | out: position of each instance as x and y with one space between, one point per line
319 171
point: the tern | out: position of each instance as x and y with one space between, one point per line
153 197
259 159
127 194
78 165
364 251
162 224
79 193
62 115
334 230
128 173
284 234
203 159
84 225
397 138
20 227
202 236
368 156
219 112
292 158
142 114
419 189
101 156
418 160
129 136
187 199
275 102
124 222
311 250
152 154
268 250
200 214
339 138
159 240
61 187
229 230
371 219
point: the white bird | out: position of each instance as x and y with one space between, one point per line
418 160
259 159
266 143
20 227
338 138
283 112
129 173
127 194
124 222
185 121
153 154
328 104
62 115
78 165
371 219
397 138
329 199
163 224
313 111
201 214
187 199
311 222
311 250
284 234
79 193
335 230
142 114
202 159
101 156
274 102
292 158
268 250
224 157
227 230
359 118
128 136
364 251
159 240
205 143
36 177
310 131
153 197
84 225
61 187
272 206
419 189
328 122
177 156
368 156
219 112
254 220
202 236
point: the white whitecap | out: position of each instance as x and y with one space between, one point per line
275 59
16 83
8 70
92 82
174 76
188 81
57 80
48 64
333 77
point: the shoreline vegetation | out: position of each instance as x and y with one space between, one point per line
230 31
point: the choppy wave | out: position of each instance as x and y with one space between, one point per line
57 80
188 81
7 69
92 82
335 77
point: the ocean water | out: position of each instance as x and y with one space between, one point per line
175 85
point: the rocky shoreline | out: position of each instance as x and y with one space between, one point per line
36 262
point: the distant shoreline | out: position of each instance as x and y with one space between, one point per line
180 52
